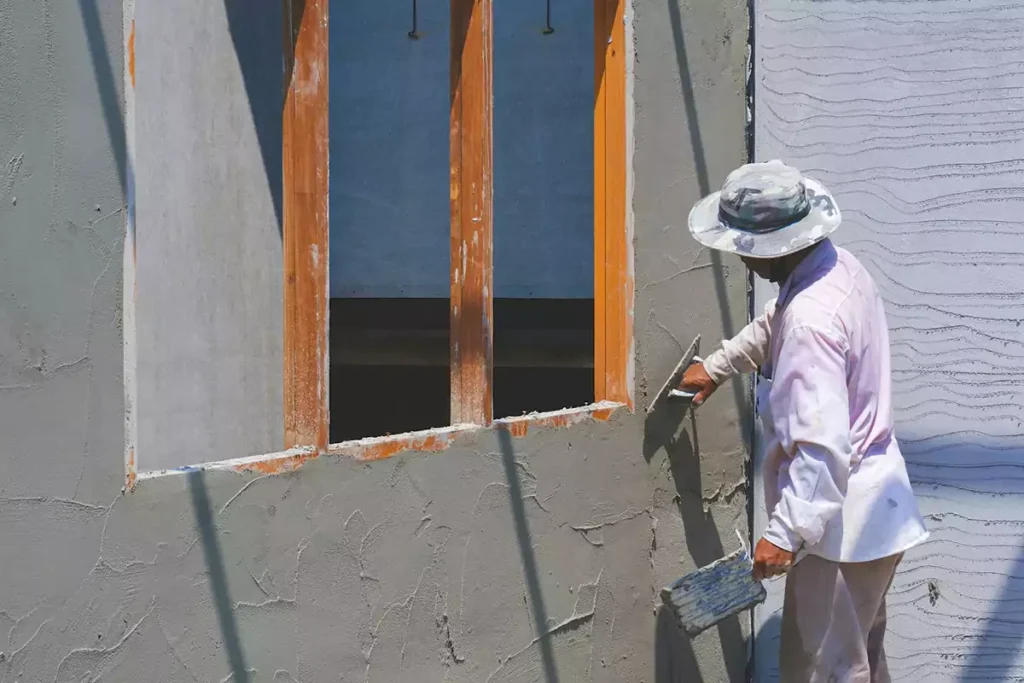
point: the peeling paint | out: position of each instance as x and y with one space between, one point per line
132 475
131 53
387 448
520 426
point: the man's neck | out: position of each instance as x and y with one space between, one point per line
782 268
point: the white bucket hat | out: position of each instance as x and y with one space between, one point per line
765 210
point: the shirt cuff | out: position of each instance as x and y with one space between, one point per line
717 366
778 534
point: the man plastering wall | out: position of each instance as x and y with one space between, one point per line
824 401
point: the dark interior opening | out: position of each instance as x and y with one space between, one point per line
390 362
543 355
378 400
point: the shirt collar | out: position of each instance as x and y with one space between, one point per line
819 255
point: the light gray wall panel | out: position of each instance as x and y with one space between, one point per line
209 264
912 113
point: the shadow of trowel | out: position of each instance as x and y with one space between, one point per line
669 407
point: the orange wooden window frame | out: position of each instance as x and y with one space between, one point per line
306 152
613 245
306 227
472 220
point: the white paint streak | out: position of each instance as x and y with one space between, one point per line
310 85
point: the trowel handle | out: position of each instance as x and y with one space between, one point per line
679 393
688 395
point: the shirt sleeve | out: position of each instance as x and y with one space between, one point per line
745 352
810 410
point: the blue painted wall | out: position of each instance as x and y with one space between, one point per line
389 150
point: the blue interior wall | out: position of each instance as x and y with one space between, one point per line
389 150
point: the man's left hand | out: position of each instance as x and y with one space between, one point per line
770 560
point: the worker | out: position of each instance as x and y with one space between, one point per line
841 509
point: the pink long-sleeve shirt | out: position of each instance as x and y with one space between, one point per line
835 482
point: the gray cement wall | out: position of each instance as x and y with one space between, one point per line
443 566
911 113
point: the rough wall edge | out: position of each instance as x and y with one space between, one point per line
630 105
128 283
382 447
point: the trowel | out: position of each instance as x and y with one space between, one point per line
715 592
670 391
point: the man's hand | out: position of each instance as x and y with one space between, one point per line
697 380
770 560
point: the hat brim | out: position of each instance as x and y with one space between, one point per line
822 220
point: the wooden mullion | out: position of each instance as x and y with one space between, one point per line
471 140
306 144
600 220
613 273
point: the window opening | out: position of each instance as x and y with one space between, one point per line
438 317
389 219
543 209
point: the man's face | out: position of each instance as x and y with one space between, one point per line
760 267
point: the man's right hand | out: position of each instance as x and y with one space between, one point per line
696 379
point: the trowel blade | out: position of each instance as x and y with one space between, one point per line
672 383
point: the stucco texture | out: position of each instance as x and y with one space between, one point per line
535 558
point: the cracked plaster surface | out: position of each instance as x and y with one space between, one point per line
377 571
403 570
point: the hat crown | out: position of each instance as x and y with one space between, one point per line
763 196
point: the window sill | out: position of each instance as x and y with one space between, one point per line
383 447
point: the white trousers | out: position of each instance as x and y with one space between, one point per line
833 621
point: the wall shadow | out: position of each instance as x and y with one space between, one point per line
700 167
766 649
664 429
258 31
997 652
106 86
674 658
217 576
526 554
995 656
